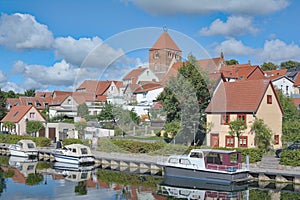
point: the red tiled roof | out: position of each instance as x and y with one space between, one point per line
297 80
241 71
94 86
165 42
240 96
148 86
16 113
274 74
134 73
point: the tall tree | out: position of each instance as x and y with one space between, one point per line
289 64
30 92
106 112
268 66
11 94
185 99
80 127
82 110
3 109
263 134
236 128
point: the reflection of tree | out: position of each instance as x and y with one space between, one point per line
2 181
80 189
34 179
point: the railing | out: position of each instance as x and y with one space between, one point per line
227 168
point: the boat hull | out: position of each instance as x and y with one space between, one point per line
206 175
20 153
76 160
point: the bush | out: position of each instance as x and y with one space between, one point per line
13 139
138 147
68 141
290 157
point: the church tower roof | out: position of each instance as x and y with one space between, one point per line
165 42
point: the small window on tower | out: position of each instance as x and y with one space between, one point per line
155 55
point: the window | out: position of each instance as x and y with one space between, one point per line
229 141
225 119
31 115
242 117
144 95
287 90
155 54
69 101
243 141
276 139
269 99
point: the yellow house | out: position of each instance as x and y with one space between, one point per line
248 100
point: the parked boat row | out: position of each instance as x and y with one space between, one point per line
76 154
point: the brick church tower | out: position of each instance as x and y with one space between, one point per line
163 54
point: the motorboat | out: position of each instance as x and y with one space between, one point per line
23 148
209 165
74 154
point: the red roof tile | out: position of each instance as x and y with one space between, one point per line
239 96
16 113
242 71
165 42
134 73
148 86
274 74
297 80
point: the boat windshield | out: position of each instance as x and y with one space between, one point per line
30 146
84 151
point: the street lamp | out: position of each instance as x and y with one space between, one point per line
194 124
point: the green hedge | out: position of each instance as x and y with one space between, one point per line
138 147
13 139
290 157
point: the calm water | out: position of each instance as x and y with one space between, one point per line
40 180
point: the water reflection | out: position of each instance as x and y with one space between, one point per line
193 189
23 179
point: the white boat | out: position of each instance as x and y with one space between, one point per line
74 154
208 165
24 148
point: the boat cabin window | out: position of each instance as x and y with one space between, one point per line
84 151
196 155
20 144
73 150
214 159
173 160
30 146
184 161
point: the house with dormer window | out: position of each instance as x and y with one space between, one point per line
248 100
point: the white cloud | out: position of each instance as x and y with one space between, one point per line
234 26
278 51
74 51
3 79
22 31
275 51
233 47
251 7
18 67
14 87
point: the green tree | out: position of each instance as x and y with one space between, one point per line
263 135
3 109
291 131
32 127
185 99
80 127
34 179
10 94
82 110
236 128
232 62
107 112
289 64
268 66
80 188
30 92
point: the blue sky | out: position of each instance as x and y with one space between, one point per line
55 44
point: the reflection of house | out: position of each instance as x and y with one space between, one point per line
247 100
20 115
